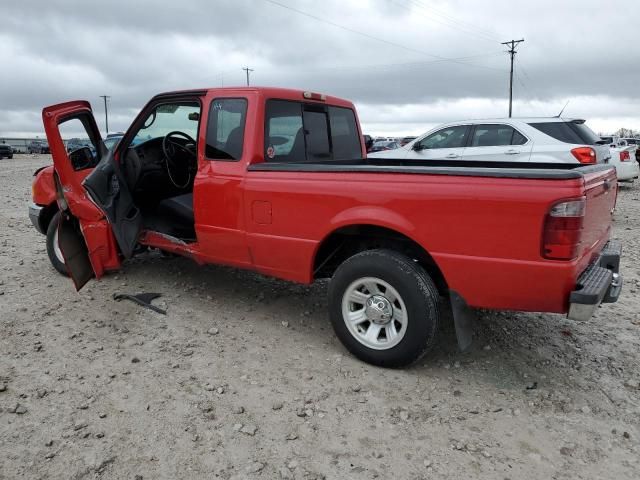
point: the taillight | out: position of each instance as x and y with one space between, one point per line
563 230
584 154
624 156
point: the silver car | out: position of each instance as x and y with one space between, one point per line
544 140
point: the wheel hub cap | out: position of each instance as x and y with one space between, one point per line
378 309
374 313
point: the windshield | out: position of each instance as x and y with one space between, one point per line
170 117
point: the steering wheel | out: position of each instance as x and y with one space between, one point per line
171 147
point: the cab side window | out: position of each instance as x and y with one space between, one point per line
284 135
225 129
449 137
494 135
309 132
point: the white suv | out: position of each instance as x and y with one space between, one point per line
545 140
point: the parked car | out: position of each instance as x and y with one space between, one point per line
634 141
76 143
283 188
545 140
368 142
623 158
614 140
383 145
5 151
112 140
405 140
38 146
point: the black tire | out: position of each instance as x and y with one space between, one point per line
52 230
419 296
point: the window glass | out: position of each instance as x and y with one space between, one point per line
495 135
299 132
450 137
284 136
170 117
568 132
80 143
518 138
225 128
316 135
344 134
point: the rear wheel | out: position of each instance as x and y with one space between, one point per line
53 249
384 308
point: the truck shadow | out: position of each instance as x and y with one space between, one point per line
511 351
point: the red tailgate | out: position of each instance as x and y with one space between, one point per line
601 190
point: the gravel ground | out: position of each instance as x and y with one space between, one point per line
243 378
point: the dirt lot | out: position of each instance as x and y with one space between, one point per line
243 378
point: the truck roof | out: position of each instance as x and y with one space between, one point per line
266 92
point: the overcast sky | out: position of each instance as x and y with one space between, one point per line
407 64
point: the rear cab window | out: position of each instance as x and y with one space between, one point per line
306 132
568 132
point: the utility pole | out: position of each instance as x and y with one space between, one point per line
512 53
247 69
106 114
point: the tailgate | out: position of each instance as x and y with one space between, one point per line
601 191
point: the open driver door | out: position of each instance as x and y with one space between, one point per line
85 233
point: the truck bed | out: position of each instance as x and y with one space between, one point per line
481 222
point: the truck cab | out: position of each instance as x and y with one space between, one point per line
175 179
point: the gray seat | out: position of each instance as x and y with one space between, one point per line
178 209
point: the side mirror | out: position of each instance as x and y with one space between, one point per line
418 146
81 158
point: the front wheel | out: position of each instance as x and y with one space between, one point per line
384 308
53 249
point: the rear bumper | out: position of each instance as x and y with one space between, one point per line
600 283
627 171
36 216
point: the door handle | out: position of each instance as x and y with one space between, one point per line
453 155
512 151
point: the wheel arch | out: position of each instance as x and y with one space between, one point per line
352 238
48 212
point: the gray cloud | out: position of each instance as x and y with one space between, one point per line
59 50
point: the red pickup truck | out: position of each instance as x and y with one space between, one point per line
277 181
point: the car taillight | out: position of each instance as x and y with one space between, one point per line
624 156
584 154
563 230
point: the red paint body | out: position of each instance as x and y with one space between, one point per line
484 233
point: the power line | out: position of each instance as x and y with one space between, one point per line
529 86
106 112
512 53
406 64
371 37
452 19
445 22
247 69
